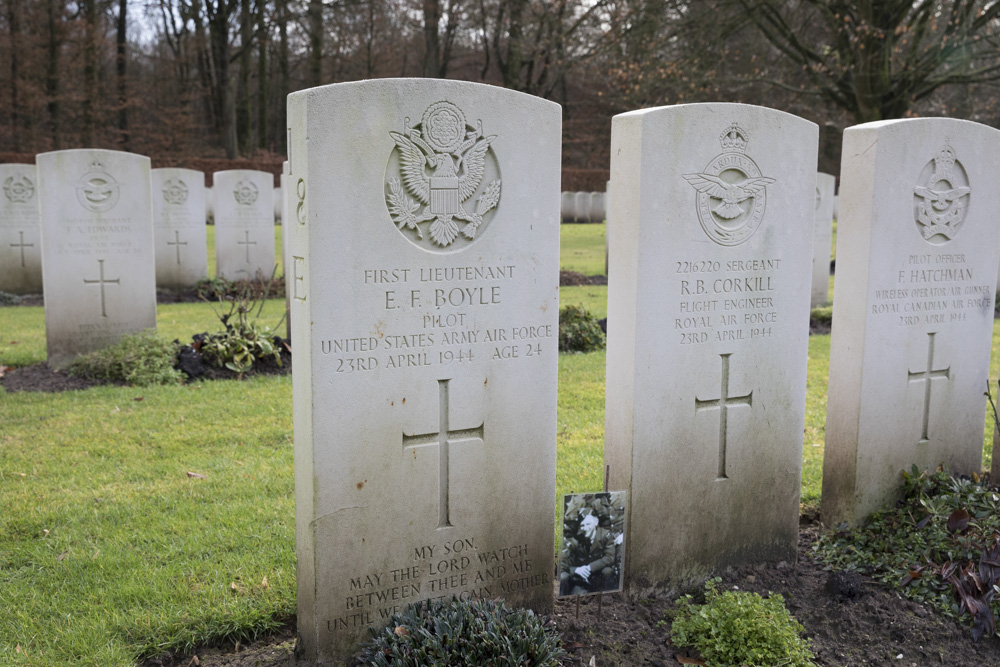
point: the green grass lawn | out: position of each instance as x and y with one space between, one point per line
133 521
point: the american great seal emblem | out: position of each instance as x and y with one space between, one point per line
941 201
731 191
443 180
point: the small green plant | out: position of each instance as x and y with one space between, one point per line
579 331
141 359
939 545
739 628
821 315
212 288
244 339
8 299
464 632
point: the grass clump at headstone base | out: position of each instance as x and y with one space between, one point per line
141 359
464 632
740 628
939 545
579 331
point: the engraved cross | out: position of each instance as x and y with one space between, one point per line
928 376
247 243
22 245
178 243
443 438
102 282
723 403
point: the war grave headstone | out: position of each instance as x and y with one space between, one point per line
20 230
567 204
425 336
917 250
607 225
711 252
581 206
597 206
98 262
822 238
210 205
179 227
244 223
286 261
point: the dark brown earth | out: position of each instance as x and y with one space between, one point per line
850 623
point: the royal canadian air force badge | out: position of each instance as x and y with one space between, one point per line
731 191
941 202
442 180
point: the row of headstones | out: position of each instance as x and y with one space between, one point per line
425 322
175 202
582 207
79 227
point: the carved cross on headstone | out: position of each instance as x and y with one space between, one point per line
178 243
102 282
443 438
928 376
22 245
723 403
247 243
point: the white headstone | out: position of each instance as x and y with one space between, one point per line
286 250
822 238
597 207
581 206
20 232
425 337
209 205
917 251
244 223
97 249
706 365
279 199
567 204
607 225
179 227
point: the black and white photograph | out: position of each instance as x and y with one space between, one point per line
593 543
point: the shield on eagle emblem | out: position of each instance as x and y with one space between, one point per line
443 180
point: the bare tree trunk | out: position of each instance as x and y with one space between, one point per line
218 32
263 81
511 69
52 73
89 71
244 113
14 22
281 6
315 69
432 19
120 70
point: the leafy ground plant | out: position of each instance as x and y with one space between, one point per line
579 331
740 628
464 632
939 545
141 359
244 339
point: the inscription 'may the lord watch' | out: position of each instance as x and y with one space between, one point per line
449 168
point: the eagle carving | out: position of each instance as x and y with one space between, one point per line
441 166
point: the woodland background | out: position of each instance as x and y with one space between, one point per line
202 83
